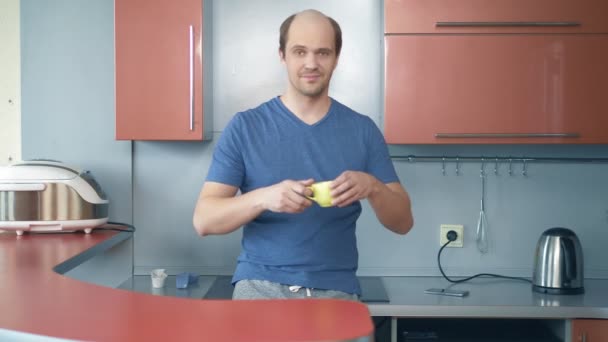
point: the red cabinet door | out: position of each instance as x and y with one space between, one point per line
446 89
589 330
495 16
159 93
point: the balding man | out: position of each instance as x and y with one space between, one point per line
292 247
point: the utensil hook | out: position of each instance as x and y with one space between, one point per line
482 174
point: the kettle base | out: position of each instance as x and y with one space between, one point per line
558 291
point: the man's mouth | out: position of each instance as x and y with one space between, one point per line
311 77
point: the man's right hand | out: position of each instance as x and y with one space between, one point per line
219 211
288 196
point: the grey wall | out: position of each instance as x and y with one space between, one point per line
67 71
518 208
246 71
167 176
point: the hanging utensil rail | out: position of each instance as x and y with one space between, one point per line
496 160
489 159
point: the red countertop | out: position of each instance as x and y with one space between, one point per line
35 299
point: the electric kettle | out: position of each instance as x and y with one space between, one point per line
558 263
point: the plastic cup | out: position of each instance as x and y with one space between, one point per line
158 278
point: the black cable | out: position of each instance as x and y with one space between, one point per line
474 276
130 229
52 232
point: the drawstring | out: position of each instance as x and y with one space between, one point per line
296 288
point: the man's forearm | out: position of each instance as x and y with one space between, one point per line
392 207
223 215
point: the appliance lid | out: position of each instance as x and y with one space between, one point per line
559 231
37 171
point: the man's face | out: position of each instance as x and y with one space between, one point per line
310 55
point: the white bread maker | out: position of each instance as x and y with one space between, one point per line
46 196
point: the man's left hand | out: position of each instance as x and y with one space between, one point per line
352 186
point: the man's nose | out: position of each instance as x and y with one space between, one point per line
311 62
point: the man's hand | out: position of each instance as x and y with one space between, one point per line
390 201
288 196
352 186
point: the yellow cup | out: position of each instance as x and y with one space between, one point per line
321 193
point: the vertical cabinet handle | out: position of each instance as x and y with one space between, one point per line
191 63
584 337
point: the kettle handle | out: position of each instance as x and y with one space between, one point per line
569 260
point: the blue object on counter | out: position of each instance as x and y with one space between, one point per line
184 279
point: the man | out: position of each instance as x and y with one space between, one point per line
292 247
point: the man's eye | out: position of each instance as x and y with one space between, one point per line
300 52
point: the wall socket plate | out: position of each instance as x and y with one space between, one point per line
445 228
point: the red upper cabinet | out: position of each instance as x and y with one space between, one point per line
496 89
524 85
159 73
495 16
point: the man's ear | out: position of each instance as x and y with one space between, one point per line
281 55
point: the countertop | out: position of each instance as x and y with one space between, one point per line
488 298
37 299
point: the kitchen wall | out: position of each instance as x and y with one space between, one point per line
10 99
68 114
67 73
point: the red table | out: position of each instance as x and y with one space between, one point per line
35 299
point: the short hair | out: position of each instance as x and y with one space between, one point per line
284 31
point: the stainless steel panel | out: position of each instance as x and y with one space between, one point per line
58 202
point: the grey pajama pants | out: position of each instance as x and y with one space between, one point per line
263 289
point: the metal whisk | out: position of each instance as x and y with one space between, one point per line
482 234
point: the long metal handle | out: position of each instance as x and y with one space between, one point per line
507 135
191 62
584 337
507 24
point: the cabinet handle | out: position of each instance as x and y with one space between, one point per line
191 62
584 337
507 23
506 135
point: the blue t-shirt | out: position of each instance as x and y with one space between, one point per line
268 144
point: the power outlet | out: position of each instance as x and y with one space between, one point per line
445 228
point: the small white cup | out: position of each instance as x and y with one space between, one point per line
158 278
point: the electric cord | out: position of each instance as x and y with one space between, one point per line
452 235
130 228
